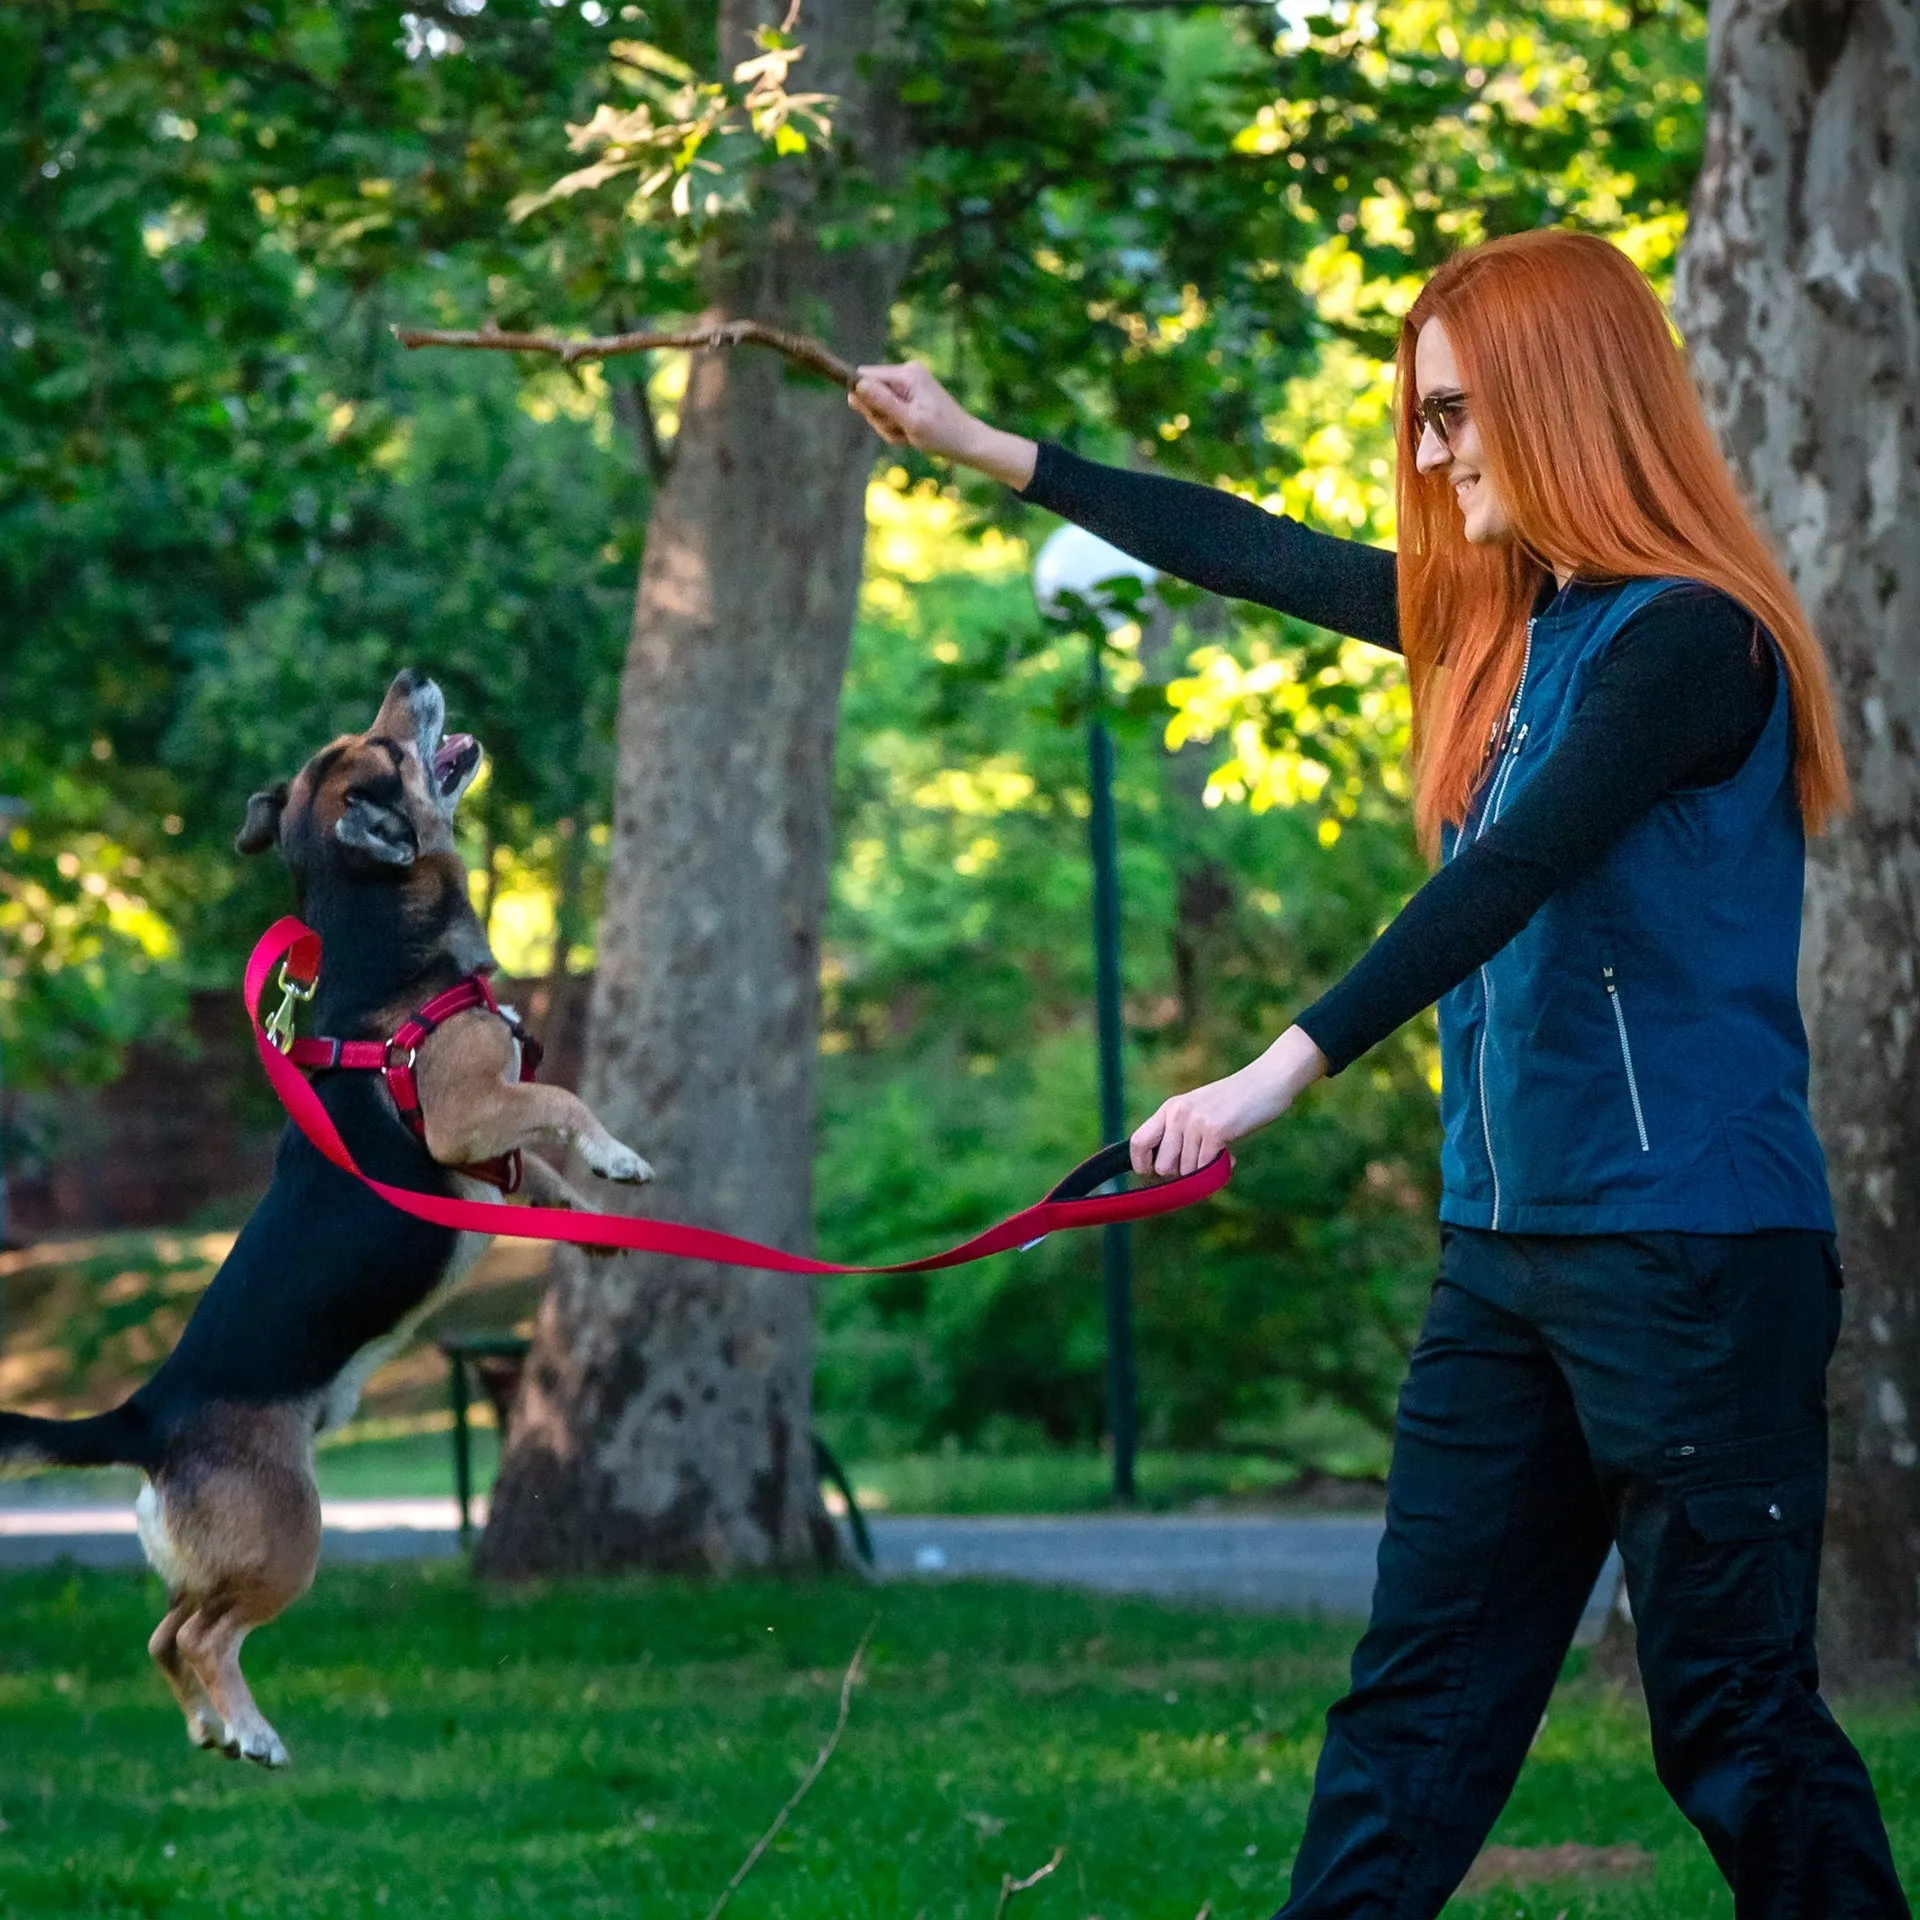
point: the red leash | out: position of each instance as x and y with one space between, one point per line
1071 1204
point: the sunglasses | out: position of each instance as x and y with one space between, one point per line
1445 413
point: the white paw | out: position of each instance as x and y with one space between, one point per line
263 1748
209 1731
617 1162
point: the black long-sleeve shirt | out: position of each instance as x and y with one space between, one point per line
1678 701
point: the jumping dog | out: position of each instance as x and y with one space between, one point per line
326 1280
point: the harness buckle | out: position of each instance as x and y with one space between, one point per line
279 1026
402 1065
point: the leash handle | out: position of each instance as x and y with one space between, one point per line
1072 1203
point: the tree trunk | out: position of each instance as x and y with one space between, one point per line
1799 296
664 1420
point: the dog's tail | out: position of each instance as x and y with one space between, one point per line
122 1437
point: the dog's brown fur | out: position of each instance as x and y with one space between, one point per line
239 1516
473 1103
230 1516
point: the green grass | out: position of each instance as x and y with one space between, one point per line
1053 1482
613 1749
351 1466
1062 1482
407 1467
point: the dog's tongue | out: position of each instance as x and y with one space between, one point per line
451 751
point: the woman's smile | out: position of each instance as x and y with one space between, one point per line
1483 516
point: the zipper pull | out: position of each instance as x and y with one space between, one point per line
1606 973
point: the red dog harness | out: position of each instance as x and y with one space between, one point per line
395 1057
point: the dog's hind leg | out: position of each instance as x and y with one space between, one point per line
241 1516
211 1639
205 1724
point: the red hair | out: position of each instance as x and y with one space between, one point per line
1590 429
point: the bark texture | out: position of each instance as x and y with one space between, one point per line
664 1419
1799 296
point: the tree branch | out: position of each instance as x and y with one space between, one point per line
812 1774
800 348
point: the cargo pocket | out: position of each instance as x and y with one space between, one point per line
1756 1552
1765 1510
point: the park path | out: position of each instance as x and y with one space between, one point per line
1278 1563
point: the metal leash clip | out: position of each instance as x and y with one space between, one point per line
280 1020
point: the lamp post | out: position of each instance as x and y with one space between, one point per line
11 813
1078 563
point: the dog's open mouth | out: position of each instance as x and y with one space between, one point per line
454 761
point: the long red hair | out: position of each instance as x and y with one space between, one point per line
1590 428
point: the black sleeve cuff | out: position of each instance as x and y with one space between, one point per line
1339 1043
1044 489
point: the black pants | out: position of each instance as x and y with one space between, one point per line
1663 1390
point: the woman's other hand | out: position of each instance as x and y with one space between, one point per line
1192 1128
906 406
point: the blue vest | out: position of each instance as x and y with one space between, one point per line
1633 1060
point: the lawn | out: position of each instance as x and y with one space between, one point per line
362 1462
1059 1481
616 1748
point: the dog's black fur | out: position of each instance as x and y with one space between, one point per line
321 1270
323 1267
325 1279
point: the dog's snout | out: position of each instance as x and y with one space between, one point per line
429 708
413 711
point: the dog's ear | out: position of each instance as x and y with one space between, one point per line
261 828
384 832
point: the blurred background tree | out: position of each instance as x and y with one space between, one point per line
1178 235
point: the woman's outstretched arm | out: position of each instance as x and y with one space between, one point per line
1225 544
1196 533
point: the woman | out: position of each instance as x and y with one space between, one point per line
1625 732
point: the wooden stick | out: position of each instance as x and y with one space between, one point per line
813 1773
800 348
1009 1886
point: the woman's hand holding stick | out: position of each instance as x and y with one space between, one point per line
906 406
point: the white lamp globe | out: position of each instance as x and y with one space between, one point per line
1072 560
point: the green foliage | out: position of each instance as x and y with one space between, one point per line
594 1749
1148 261
960 1077
698 139
230 507
220 530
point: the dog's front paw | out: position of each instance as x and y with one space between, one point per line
617 1163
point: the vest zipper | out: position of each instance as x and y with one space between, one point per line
1626 1057
1494 797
